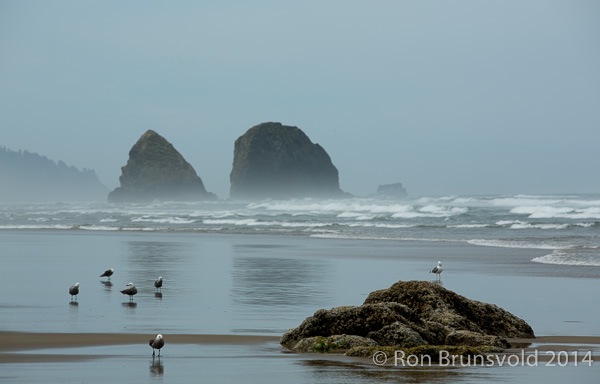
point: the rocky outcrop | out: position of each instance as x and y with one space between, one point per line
391 191
409 315
272 160
157 171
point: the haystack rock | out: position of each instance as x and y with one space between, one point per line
157 171
272 160
409 314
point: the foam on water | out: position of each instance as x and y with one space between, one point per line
36 227
164 220
98 228
561 257
469 226
514 244
564 213
261 223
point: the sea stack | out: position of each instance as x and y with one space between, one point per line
409 314
276 161
157 171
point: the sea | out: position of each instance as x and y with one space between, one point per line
260 268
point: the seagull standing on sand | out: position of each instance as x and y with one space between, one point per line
108 273
437 270
130 290
157 343
158 283
74 290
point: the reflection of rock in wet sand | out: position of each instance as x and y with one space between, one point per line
278 281
322 368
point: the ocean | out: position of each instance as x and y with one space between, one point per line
260 268
566 226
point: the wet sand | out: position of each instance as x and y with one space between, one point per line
27 341
11 342
229 298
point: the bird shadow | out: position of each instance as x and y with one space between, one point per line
156 367
107 284
158 295
74 303
129 304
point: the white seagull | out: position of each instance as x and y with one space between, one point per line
438 269
158 283
74 290
130 290
157 343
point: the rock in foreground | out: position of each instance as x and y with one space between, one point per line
409 315
272 160
157 171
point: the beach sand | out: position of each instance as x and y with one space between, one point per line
26 341
12 344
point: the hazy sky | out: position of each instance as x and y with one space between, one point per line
447 97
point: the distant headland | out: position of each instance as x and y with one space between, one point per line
28 177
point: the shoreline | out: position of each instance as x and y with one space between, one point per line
18 341
15 347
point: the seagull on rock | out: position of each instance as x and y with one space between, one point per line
74 290
108 273
157 343
158 283
437 269
130 290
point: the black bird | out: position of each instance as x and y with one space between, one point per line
108 273
157 343
130 290
74 290
158 283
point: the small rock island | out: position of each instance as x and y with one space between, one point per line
157 171
411 316
276 161
391 191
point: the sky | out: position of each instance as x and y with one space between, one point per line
447 97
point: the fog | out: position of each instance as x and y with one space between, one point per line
447 97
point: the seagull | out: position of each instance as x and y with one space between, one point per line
157 343
438 269
108 273
130 290
158 283
74 290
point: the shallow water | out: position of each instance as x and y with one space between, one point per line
261 284
264 364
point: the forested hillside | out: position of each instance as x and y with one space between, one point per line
27 176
